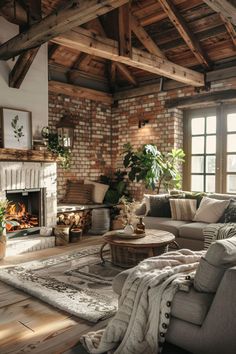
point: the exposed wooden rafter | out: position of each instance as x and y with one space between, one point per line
182 27
22 66
123 70
226 7
144 37
230 29
25 60
56 23
83 40
13 12
78 91
125 48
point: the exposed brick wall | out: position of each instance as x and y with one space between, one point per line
91 155
101 130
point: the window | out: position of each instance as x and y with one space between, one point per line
210 146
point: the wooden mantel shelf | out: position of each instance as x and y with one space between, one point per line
26 155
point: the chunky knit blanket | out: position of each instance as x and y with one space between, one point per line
213 232
142 319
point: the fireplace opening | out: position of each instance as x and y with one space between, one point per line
25 213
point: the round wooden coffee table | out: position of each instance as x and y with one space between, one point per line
129 252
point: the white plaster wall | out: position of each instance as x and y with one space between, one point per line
33 93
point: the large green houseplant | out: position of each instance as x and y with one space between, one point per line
155 169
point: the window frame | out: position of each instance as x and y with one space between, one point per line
221 112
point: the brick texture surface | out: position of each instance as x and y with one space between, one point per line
101 130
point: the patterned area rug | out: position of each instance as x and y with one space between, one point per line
75 282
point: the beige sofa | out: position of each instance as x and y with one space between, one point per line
203 321
188 234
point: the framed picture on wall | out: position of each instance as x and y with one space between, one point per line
16 129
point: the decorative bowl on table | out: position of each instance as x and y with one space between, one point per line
123 234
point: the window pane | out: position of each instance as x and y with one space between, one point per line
231 143
231 184
231 122
211 125
211 144
198 126
197 164
198 145
231 163
210 184
197 183
210 164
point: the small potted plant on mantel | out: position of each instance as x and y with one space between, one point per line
3 237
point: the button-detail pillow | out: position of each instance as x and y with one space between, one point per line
210 210
183 209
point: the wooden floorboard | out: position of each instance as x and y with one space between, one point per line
28 325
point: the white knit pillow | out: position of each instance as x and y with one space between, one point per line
210 210
183 209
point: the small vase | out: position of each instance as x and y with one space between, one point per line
3 242
140 227
129 229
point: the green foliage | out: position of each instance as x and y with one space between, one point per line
63 153
3 209
117 186
18 130
149 165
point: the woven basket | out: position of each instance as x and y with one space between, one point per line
127 257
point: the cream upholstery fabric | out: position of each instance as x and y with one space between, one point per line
98 192
183 209
210 210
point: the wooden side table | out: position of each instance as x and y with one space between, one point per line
128 253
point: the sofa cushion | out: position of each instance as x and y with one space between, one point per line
165 224
230 212
192 230
158 205
220 256
191 306
183 209
99 191
210 210
78 193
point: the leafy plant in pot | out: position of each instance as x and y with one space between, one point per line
3 209
117 186
53 145
155 169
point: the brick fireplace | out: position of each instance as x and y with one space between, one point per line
31 187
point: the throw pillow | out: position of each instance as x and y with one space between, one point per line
183 209
99 191
220 256
230 212
158 205
210 210
78 193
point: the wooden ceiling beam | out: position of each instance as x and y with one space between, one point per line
13 12
83 40
123 70
181 26
144 38
56 23
21 68
79 91
125 48
225 7
230 29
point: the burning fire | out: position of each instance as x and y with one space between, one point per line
18 218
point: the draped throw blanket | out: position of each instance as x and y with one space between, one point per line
213 232
142 319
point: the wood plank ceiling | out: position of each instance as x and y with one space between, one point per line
186 33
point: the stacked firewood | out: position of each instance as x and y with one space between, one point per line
80 219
